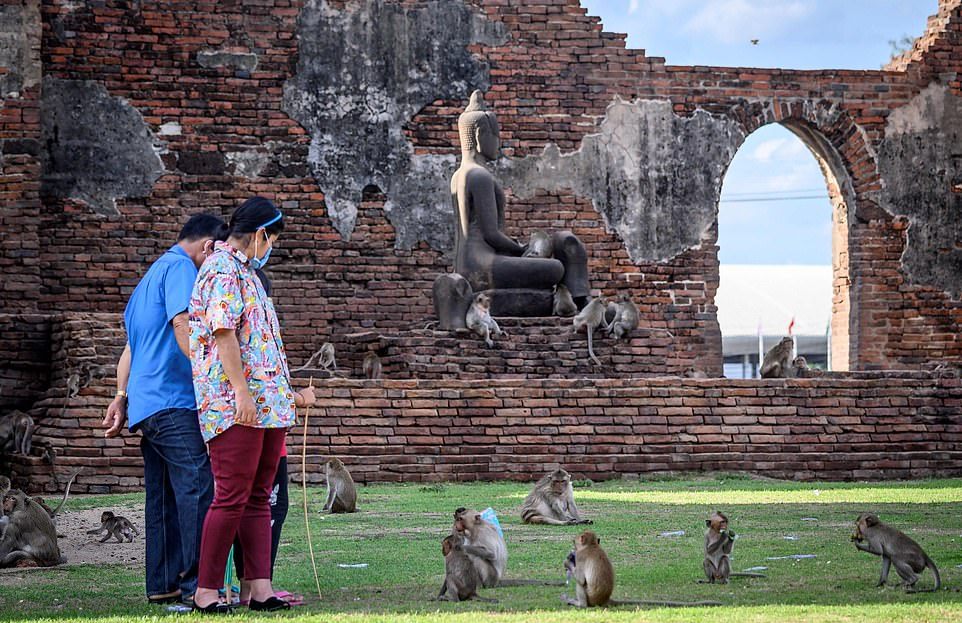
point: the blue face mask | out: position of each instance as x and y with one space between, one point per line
258 263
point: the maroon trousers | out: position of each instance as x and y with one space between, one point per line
244 461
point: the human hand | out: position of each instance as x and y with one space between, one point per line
115 417
246 414
308 399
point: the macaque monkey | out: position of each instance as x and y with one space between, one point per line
594 578
461 579
115 526
592 317
323 358
719 542
479 320
801 370
22 433
552 502
16 433
73 385
694 373
777 361
539 245
5 485
326 356
564 306
592 572
626 317
29 536
341 493
372 367
483 544
895 547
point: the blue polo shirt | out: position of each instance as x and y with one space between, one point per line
160 376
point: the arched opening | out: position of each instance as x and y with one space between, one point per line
783 250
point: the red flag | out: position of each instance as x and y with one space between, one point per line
791 325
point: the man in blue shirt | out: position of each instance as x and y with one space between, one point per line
155 366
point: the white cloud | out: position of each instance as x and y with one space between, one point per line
780 149
731 21
633 6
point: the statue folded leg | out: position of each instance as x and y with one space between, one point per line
572 254
525 272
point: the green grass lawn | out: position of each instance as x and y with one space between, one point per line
398 530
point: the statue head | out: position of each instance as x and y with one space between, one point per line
479 129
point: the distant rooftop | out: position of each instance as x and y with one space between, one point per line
764 298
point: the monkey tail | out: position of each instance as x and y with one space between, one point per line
518 582
667 604
66 493
935 571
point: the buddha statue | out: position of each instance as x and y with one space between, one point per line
484 256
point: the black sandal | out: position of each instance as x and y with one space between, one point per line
214 608
271 604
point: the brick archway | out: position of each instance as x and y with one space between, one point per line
849 169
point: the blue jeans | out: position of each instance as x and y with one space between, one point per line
180 488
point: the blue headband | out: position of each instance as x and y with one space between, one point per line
273 220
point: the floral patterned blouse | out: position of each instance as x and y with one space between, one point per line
228 295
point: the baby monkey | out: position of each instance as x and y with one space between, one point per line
539 245
479 319
895 547
461 578
626 317
115 526
719 542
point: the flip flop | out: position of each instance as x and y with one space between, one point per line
164 598
294 600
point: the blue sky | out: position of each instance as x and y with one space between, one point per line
773 163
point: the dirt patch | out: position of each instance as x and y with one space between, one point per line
80 548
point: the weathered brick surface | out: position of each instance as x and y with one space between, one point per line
840 427
550 83
865 426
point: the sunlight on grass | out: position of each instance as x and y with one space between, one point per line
898 613
867 495
400 526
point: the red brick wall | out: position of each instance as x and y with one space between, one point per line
867 426
840 427
861 427
551 82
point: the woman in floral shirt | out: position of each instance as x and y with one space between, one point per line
244 401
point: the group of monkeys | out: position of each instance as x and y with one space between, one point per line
28 532
618 317
475 553
28 535
323 359
779 364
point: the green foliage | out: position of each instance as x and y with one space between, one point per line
398 535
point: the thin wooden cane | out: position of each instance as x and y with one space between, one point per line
307 519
